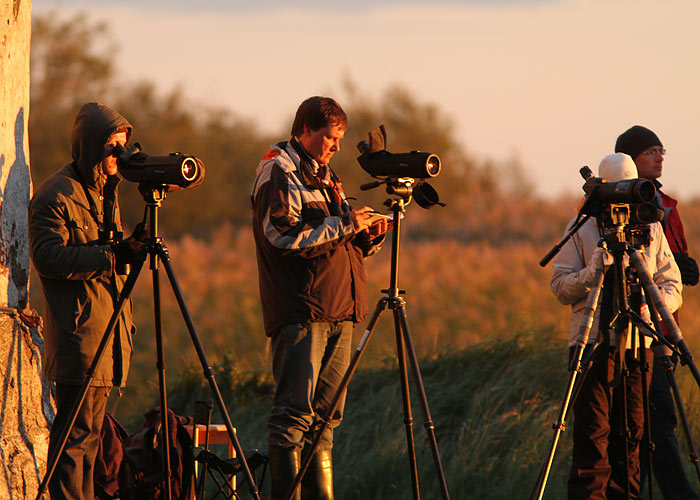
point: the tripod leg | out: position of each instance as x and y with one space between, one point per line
646 445
623 431
70 421
408 417
160 367
575 367
668 368
623 330
208 373
428 422
649 449
673 332
325 419
575 374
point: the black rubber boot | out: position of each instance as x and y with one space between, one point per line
317 483
284 466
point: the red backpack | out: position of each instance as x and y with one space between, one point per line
109 459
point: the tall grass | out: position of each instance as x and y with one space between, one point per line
491 405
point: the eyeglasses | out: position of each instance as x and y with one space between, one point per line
655 151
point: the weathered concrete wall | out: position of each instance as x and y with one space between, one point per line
15 181
26 406
26 403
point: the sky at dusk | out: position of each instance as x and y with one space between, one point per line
549 83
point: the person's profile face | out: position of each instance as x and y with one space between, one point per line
323 143
109 162
650 163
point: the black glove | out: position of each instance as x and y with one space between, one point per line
688 267
140 233
124 254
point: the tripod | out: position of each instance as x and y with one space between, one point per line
640 279
668 367
404 346
156 249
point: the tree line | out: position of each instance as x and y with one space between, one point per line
71 64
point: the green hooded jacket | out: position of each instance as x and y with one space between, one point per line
76 269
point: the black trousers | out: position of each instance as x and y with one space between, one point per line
73 477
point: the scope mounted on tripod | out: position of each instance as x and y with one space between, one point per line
403 173
176 170
623 202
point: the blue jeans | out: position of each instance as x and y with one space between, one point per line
309 362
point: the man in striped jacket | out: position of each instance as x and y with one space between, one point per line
310 249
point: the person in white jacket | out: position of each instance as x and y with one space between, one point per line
598 469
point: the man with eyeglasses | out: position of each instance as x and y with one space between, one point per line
646 149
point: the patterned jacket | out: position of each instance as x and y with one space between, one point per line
310 261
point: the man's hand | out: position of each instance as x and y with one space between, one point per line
600 261
362 218
604 257
127 251
365 221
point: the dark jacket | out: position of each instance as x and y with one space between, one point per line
76 269
310 262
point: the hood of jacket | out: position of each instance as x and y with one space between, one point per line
94 123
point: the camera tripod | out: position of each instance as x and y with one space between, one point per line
668 369
404 346
626 320
156 249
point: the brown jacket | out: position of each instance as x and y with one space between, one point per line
76 268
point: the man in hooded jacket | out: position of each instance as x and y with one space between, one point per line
74 223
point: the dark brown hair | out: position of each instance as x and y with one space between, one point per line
318 112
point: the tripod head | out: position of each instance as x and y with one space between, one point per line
153 195
616 228
623 210
404 189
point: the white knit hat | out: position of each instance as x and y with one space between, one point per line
616 167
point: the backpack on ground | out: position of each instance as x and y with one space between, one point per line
110 455
141 472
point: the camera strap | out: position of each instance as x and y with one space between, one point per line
109 193
338 204
109 200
